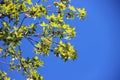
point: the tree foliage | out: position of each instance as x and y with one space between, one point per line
49 27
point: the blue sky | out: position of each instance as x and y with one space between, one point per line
97 42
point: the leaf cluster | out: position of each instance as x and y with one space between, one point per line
47 33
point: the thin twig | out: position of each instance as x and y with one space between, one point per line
38 1
21 23
33 40
30 41
4 63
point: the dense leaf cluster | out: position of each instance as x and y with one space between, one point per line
48 26
3 76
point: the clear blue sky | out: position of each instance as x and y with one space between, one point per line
97 42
